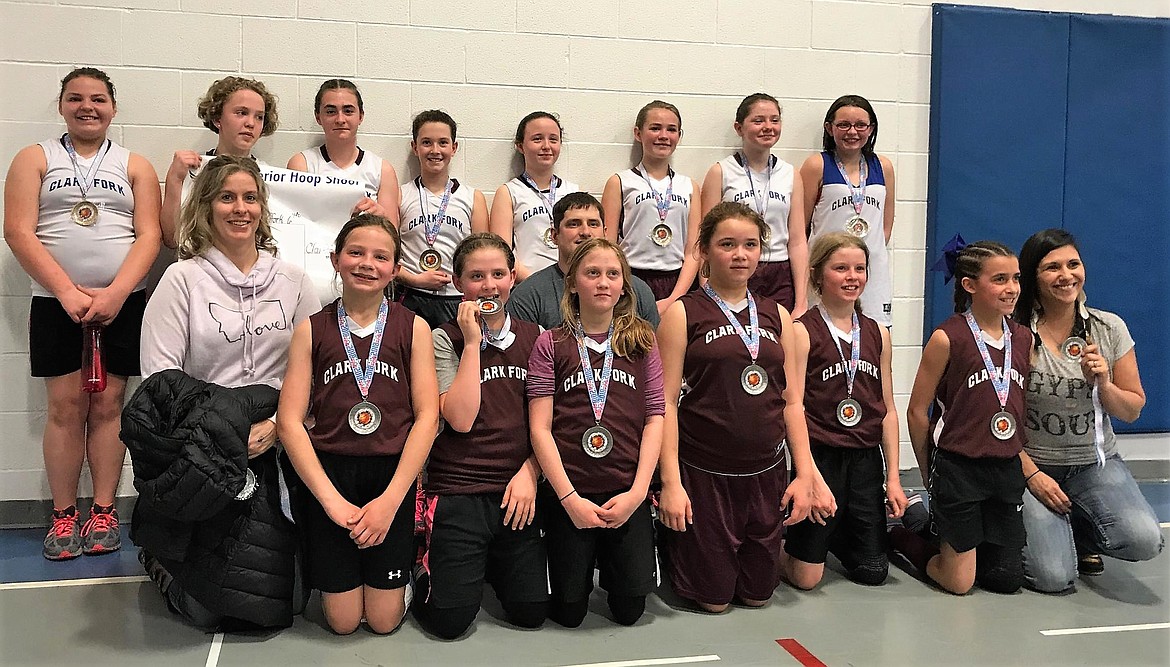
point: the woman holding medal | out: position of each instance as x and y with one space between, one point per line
849 187
972 371
595 415
223 314
239 111
759 179
852 422
81 217
481 476
1082 501
362 372
436 213
652 211
522 207
339 110
722 474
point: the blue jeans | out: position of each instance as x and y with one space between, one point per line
1109 516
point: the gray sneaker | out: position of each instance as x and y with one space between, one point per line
101 534
63 542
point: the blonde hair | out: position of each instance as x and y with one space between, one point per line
195 232
823 248
632 336
211 104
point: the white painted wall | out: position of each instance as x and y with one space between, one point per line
487 62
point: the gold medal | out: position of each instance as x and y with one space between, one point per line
547 237
857 226
84 213
430 260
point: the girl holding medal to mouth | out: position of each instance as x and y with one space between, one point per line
81 217
363 371
339 110
595 415
436 213
848 187
522 208
652 211
759 179
852 422
239 111
481 476
972 372
724 480
1082 501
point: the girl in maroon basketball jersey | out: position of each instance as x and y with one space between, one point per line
852 421
972 373
481 477
363 371
595 415
723 464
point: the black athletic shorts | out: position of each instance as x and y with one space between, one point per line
335 564
54 339
976 500
856 534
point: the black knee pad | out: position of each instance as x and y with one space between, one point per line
448 623
569 614
871 571
627 609
999 569
526 614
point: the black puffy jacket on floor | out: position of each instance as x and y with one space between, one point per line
188 440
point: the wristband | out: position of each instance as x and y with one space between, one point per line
1034 473
562 498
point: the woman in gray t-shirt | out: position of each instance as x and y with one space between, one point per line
1083 502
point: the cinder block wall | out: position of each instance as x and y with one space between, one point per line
487 62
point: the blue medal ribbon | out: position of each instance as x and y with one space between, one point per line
762 209
83 181
597 393
751 339
364 378
856 194
1001 382
661 202
854 347
432 225
551 200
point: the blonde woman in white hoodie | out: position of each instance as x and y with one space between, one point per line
225 313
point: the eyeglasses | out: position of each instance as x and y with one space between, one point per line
859 126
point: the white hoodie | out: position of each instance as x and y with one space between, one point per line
218 325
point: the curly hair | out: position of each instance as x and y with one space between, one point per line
211 104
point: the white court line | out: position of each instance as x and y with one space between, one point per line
213 654
64 583
652 661
1105 628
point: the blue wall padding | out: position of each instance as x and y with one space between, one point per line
1043 119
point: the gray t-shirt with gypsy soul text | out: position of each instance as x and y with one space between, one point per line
1060 420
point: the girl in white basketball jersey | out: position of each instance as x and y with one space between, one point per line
761 180
848 187
339 111
652 211
436 212
81 217
240 111
522 208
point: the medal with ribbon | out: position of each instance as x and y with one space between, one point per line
857 225
848 410
761 207
84 212
597 440
662 234
365 417
1003 424
753 379
430 260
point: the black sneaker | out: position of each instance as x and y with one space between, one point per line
1090 565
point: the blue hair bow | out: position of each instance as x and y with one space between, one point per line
950 255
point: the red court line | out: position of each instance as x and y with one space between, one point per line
796 650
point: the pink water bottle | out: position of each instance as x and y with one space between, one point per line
93 370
